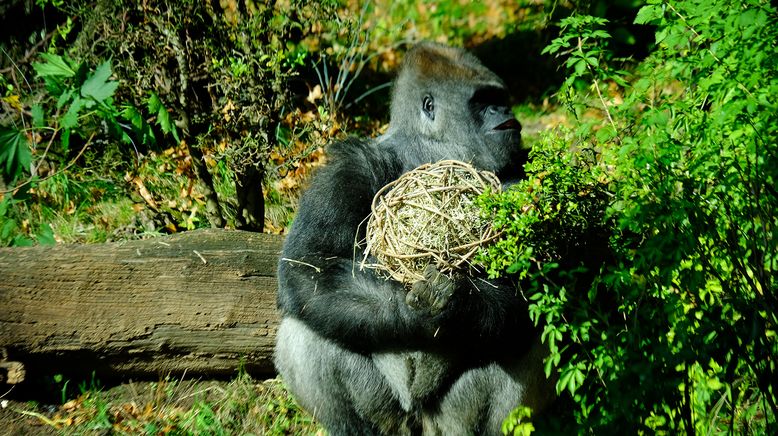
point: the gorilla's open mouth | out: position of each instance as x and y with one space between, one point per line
510 124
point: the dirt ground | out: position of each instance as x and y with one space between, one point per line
13 422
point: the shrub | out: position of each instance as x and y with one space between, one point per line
132 81
673 326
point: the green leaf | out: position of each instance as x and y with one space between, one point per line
580 67
747 18
163 117
133 115
54 85
154 103
65 139
8 227
54 65
140 127
38 119
98 86
649 13
661 35
22 241
45 235
564 380
70 119
14 151
579 377
64 98
548 366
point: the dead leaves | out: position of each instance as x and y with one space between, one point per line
142 190
166 184
314 94
228 109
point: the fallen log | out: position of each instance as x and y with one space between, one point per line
200 303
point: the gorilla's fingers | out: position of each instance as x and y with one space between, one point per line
412 298
431 293
444 291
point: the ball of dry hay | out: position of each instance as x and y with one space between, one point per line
429 216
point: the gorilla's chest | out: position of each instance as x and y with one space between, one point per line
414 376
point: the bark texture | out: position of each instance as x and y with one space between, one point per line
200 302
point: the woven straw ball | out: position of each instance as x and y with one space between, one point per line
427 217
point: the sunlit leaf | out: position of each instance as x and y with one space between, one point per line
163 117
154 103
54 66
98 86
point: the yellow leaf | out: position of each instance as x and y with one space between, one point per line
314 94
13 100
227 110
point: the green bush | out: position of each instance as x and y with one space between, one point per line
645 237
134 83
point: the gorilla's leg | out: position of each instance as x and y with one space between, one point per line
343 390
482 398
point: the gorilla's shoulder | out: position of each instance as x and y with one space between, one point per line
359 164
338 198
349 147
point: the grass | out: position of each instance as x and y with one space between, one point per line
242 406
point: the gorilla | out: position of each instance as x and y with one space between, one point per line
361 352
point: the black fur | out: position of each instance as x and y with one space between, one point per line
360 352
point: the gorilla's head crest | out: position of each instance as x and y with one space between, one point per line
435 62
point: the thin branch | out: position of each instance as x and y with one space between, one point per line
70 164
29 53
597 88
45 152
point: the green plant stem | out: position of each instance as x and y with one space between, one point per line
70 164
597 88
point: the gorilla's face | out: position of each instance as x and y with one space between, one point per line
472 124
499 128
447 105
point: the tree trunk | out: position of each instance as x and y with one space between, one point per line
251 201
201 302
191 126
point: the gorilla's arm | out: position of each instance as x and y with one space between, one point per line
320 283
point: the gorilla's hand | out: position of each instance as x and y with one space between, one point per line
432 292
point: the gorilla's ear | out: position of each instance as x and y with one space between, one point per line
428 106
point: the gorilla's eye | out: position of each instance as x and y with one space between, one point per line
428 106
